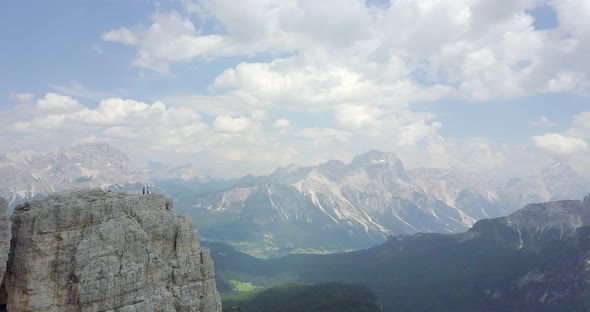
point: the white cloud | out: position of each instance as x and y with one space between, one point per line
580 126
122 35
582 120
416 131
259 115
232 125
565 81
57 102
354 70
282 123
22 97
48 122
356 117
320 136
169 38
543 121
120 112
555 143
472 154
480 50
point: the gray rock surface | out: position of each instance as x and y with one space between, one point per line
4 237
102 251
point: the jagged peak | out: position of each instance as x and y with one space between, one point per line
20 156
285 170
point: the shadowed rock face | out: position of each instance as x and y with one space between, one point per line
103 251
4 240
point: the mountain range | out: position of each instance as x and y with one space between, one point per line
334 206
536 259
339 206
32 175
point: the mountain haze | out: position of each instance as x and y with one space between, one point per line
31 175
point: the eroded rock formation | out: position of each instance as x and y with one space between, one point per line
102 251
4 244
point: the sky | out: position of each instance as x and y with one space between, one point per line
238 87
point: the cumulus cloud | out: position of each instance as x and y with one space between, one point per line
57 102
170 38
343 75
415 131
555 143
120 112
566 81
232 125
357 116
478 49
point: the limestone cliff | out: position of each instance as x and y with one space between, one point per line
102 251
4 238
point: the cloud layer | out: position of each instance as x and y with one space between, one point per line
328 79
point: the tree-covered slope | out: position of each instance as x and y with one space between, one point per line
536 259
327 297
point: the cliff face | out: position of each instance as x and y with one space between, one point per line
4 239
102 251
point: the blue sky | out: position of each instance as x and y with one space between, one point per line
243 87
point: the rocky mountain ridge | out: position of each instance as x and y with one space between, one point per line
33 175
5 235
375 196
93 250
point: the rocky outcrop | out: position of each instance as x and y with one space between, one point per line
102 251
4 239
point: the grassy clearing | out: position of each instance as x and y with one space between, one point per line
239 286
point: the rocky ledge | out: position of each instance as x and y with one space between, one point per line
103 251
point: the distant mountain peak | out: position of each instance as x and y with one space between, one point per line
285 170
377 158
559 168
186 172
